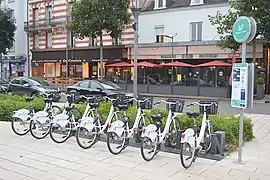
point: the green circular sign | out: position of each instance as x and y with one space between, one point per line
241 29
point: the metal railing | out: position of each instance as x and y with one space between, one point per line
44 23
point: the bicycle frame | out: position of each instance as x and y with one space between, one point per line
170 118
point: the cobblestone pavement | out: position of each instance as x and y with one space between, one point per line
25 158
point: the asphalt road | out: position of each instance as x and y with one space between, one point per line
224 107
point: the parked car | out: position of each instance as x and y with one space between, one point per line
97 88
32 87
3 85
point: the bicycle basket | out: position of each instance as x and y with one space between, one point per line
120 100
146 104
178 108
213 109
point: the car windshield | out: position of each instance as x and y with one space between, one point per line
110 85
39 83
3 81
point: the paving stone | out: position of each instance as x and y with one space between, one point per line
8 175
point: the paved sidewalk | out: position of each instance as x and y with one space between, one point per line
25 158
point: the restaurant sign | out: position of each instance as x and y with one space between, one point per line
208 55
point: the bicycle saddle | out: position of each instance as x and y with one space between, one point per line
48 100
122 106
192 114
156 117
28 99
93 105
69 108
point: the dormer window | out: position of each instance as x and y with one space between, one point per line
159 4
196 2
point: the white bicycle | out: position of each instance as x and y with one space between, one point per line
119 132
41 120
63 124
90 127
191 142
152 135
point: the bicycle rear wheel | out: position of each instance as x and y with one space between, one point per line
116 143
173 128
207 144
148 149
186 154
39 130
86 139
19 126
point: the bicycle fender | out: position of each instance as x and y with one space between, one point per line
41 117
22 114
87 123
61 120
188 137
117 127
150 131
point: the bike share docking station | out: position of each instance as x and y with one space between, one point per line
218 150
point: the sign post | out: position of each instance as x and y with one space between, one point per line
244 30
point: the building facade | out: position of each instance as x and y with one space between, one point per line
54 52
180 30
14 63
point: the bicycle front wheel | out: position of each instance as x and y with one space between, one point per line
207 144
19 126
173 128
86 138
186 154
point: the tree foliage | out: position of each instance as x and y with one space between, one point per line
258 9
7 31
91 17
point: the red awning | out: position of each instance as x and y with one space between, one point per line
177 64
214 63
148 64
120 64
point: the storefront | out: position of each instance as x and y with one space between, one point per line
192 54
81 63
13 67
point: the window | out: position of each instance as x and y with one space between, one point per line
15 81
12 49
71 39
36 41
84 84
48 15
95 85
196 31
92 41
196 2
49 40
35 16
11 13
160 3
159 33
23 82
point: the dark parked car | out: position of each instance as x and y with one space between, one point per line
32 87
3 85
97 88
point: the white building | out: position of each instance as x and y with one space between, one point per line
15 62
188 22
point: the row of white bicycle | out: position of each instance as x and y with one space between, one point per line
60 124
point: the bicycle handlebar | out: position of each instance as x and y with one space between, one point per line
137 100
89 98
167 102
111 99
204 105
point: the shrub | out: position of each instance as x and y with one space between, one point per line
9 103
260 80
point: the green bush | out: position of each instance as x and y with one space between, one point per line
9 103
260 80
227 123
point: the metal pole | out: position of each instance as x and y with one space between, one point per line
136 13
172 66
241 124
67 41
28 38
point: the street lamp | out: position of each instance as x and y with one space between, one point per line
172 38
136 12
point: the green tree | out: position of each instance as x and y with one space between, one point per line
90 18
258 9
7 30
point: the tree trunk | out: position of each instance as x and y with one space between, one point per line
101 56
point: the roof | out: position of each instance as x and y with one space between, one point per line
181 3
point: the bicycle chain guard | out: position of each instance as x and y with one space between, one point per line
150 131
23 114
41 117
117 127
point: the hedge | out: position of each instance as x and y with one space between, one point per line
9 103
227 123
